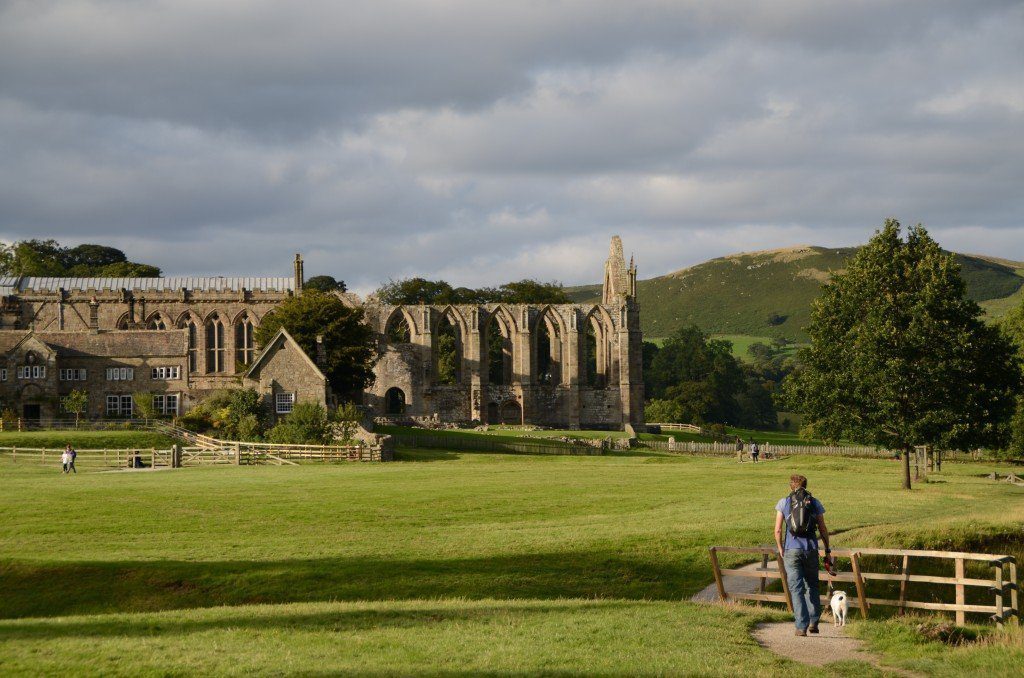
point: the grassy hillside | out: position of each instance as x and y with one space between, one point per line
769 293
444 563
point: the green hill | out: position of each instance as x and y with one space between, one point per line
769 293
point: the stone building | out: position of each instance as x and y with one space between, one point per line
573 365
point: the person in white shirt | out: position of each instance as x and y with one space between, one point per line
65 459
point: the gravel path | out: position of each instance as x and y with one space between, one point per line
831 645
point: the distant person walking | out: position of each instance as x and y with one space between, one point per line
65 459
801 515
72 455
739 448
754 451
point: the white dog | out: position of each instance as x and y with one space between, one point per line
839 608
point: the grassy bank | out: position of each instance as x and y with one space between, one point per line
85 440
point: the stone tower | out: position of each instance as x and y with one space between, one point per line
617 278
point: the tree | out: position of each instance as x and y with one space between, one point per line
49 258
699 373
324 283
899 356
421 290
75 403
532 292
349 343
145 407
1012 327
92 256
415 291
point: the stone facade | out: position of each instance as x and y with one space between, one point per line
567 365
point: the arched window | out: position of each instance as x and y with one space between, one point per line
245 345
447 352
156 322
498 344
188 323
397 330
122 322
214 344
549 351
596 361
394 401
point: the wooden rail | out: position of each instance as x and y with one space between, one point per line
1003 584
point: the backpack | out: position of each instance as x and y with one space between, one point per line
802 519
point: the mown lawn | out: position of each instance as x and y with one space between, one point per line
440 563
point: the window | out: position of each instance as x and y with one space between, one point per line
284 402
169 372
193 342
72 375
214 345
244 344
120 374
119 405
32 372
166 403
3 374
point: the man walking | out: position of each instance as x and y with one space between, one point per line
72 455
800 515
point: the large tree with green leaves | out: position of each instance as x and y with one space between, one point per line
899 355
49 258
421 290
349 343
1013 328
699 374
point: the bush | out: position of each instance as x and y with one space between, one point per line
347 418
235 415
144 405
306 425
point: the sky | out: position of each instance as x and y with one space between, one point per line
483 142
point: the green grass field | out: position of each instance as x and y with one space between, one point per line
443 563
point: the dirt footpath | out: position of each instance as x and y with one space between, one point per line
831 645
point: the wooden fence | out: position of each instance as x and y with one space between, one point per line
717 449
107 458
1002 586
480 443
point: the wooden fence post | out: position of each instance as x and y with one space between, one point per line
961 616
998 572
903 584
764 580
718 575
14 454
859 582
1014 600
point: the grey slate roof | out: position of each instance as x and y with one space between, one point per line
13 284
112 344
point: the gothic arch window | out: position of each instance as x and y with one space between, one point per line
498 349
597 362
187 322
447 351
214 344
245 343
548 347
156 322
122 322
397 330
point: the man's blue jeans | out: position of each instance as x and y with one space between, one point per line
802 574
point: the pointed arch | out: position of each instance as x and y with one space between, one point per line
449 333
547 340
244 328
187 321
213 328
399 328
499 346
157 321
596 354
123 321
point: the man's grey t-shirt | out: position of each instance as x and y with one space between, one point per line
792 541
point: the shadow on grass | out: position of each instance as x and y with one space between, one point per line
48 589
336 620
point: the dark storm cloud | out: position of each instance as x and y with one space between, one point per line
490 141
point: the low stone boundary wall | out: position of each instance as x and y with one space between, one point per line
481 444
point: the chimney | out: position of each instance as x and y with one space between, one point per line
321 352
299 275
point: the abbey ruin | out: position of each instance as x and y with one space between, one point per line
181 338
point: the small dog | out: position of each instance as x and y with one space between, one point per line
839 608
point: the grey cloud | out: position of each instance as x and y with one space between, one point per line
489 141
